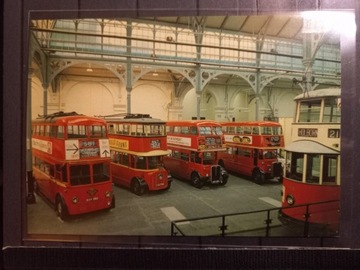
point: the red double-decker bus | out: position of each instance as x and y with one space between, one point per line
71 163
194 147
138 145
252 149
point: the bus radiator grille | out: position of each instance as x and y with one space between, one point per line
215 173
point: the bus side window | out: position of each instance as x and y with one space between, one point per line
176 154
52 170
185 156
185 130
239 130
60 173
47 131
247 130
193 130
140 162
255 130
53 131
60 132
247 153
111 129
132 161
124 159
195 157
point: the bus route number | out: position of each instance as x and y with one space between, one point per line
333 133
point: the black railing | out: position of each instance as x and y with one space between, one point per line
266 222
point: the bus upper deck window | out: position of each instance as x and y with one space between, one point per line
111 129
193 130
98 131
184 130
247 130
53 131
266 131
218 131
60 132
76 131
239 130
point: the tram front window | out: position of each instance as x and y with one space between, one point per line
331 111
309 111
329 169
294 165
313 168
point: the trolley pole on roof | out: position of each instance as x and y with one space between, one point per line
30 197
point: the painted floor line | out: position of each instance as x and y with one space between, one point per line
271 201
173 214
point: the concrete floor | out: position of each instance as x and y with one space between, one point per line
152 213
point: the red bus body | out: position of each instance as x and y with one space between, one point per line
312 171
194 147
138 145
71 163
252 149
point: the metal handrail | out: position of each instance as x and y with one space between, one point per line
268 221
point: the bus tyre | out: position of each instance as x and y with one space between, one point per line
223 180
112 203
258 177
196 181
137 188
61 209
168 186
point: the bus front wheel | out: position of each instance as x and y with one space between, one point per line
258 177
137 188
196 181
61 208
224 180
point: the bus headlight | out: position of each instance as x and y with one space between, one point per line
107 194
290 199
75 200
160 176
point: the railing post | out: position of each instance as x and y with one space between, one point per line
223 227
173 233
268 221
306 225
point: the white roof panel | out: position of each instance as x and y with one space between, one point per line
310 147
